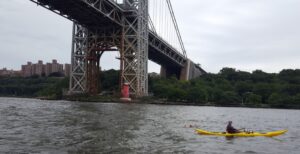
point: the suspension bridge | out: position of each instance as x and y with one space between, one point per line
140 30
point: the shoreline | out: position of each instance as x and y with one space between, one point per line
152 101
156 101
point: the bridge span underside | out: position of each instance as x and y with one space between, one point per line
105 25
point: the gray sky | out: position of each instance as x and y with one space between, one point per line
243 34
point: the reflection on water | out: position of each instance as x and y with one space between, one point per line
35 126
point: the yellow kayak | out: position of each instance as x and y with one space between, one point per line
241 134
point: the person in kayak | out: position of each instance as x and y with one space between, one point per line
230 129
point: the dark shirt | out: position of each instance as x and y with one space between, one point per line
230 129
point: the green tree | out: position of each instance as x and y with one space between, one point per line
290 76
290 89
264 90
242 87
197 94
229 74
253 99
280 100
297 100
176 94
260 76
110 80
230 98
223 84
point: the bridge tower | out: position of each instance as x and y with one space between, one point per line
130 39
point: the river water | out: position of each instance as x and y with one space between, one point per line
38 126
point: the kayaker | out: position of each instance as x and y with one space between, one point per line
230 129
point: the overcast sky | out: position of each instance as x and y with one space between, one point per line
243 34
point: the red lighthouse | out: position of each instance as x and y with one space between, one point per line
125 93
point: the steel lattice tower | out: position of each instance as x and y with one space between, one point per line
78 59
134 50
132 42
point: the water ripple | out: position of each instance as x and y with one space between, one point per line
35 126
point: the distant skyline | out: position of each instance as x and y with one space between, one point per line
242 34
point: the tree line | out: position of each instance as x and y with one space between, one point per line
231 87
55 86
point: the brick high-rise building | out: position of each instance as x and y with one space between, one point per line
27 70
40 69
48 69
56 67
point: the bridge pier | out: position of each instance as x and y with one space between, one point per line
191 71
88 45
187 72
167 72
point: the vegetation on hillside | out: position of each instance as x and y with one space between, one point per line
33 87
230 87
52 87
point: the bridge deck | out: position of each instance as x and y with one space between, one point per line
80 11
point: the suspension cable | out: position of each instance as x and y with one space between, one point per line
176 27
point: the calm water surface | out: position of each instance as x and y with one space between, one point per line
35 126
